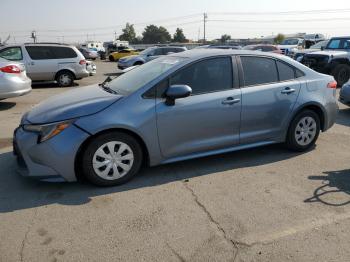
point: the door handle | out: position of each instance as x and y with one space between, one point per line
288 90
231 101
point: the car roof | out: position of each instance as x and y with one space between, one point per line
202 53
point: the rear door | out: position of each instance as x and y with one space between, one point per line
269 94
41 64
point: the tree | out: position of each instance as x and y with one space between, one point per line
179 36
279 39
129 33
225 38
156 35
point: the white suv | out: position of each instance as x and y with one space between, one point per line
48 62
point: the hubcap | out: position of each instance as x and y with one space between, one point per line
305 131
113 160
65 79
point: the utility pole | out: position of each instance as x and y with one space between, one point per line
115 35
205 17
33 36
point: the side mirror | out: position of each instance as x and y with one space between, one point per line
175 92
322 48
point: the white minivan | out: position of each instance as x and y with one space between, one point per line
48 62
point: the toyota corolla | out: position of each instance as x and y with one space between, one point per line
178 107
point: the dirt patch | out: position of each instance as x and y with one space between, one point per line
5 142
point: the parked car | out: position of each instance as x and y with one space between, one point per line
115 56
290 44
344 94
48 62
333 60
176 107
89 53
13 79
299 54
312 39
264 48
148 55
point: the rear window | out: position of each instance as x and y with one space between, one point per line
50 52
259 70
40 52
285 71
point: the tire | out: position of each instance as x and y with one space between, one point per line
65 79
138 63
341 74
111 58
96 159
296 139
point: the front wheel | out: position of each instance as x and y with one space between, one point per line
303 131
112 159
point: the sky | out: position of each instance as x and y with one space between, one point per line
74 21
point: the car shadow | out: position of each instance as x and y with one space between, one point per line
49 85
17 193
334 189
6 105
343 117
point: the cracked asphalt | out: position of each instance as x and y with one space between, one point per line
265 204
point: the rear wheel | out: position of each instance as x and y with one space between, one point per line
341 74
65 79
112 159
303 131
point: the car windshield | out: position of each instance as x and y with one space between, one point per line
138 77
147 51
290 42
339 43
319 45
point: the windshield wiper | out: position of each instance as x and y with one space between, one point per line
105 87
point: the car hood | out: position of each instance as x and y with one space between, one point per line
307 51
72 104
330 53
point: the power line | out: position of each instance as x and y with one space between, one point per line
282 20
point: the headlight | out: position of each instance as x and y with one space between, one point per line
49 130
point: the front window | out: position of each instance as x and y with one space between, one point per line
140 76
290 42
12 53
319 45
206 76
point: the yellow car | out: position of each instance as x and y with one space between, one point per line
115 56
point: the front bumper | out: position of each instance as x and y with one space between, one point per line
52 160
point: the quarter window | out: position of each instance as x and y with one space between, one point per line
259 70
285 71
206 76
12 53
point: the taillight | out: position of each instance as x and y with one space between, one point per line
11 69
332 84
82 62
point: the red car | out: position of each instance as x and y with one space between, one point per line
264 48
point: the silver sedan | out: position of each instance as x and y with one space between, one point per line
13 79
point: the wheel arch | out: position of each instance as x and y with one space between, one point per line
65 70
313 106
78 157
